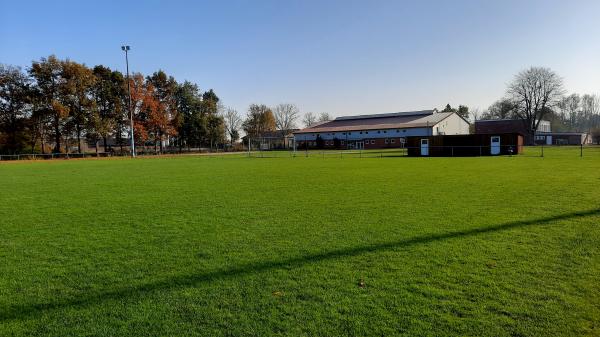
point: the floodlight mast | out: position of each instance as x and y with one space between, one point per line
126 50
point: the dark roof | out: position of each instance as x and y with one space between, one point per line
385 115
504 120
396 120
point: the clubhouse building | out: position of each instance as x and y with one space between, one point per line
389 130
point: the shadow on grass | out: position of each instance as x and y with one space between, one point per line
27 310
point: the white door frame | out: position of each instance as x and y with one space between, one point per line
424 147
495 146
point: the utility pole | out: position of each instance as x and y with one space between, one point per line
126 50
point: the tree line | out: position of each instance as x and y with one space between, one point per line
57 105
60 105
537 94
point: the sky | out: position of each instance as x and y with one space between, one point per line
341 57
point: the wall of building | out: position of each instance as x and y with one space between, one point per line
382 138
365 134
453 125
465 145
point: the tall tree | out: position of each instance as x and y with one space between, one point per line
463 111
501 109
324 117
110 98
233 123
77 90
15 98
259 120
309 119
285 117
48 80
165 119
216 129
189 101
535 92
569 108
448 108
212 125
590 110
143 104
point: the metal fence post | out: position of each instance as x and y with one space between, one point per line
542 150
581 150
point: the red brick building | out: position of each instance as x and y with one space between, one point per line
497 126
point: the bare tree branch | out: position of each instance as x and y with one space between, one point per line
285 117
535 92
309 119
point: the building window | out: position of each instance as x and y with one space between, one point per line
367 132
384 131
393 140
343 142
387 141
372 141
361 132
397 130
378 131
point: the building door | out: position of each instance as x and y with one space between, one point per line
424 147
495 145
359 145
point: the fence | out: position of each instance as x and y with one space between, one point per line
142 152
541 151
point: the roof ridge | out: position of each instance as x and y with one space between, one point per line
389 114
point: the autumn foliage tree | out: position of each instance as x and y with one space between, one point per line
260 119
46 74
77 92
58 101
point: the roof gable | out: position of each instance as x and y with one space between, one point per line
398 120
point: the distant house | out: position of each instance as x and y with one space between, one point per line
272 140
387 130
543 135
564 138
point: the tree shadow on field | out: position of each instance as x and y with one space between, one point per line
27 310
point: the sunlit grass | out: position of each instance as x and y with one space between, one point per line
209 246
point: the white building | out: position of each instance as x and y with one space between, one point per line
380 130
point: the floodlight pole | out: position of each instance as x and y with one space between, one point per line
126 50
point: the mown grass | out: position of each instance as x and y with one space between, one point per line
234 246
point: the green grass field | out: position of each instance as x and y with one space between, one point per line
234 246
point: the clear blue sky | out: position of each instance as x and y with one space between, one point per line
342 57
